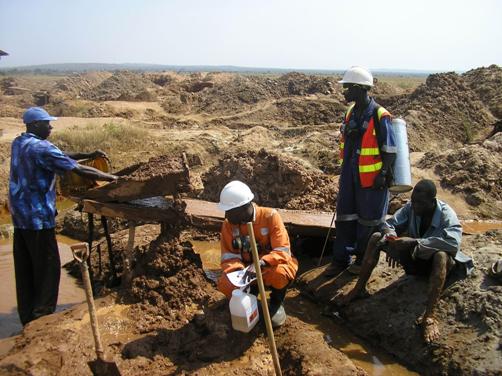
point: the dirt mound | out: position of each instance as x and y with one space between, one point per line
276 181
236 93
122 85
79 108
487 83
170 277
474 171
77 85
442 112
6 83
301 112
295 83
154 167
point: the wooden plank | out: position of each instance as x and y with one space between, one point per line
298 222
124 190
135 212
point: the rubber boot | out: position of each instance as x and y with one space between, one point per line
276 307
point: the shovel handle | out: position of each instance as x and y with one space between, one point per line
80 252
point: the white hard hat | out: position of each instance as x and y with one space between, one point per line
234 195
357 75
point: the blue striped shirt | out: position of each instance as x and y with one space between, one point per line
32 185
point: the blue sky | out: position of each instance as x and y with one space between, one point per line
313 34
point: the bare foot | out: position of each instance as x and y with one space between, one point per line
430 329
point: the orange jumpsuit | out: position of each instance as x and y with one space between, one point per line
273 245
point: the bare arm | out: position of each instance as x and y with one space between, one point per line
93 173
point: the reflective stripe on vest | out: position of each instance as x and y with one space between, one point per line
370 151
370 168
230 255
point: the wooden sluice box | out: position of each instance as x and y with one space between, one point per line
160 176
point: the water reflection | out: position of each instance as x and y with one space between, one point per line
69 291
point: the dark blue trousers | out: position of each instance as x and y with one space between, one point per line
359 212
38 269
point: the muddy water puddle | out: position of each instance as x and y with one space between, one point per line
69 291
371 360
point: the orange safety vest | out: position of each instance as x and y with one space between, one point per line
370 160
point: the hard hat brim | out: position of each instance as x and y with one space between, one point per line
227 207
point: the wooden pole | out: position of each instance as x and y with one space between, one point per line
264 305
127 273
326 240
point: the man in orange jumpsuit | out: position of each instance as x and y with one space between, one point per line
278 265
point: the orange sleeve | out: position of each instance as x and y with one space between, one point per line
279 241
230 259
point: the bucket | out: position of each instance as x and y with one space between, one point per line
243 311
402 169
73 184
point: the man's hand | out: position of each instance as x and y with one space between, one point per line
98 153
394 246
380 181
404 243
250 275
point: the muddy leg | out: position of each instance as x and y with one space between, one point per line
441 263
370 261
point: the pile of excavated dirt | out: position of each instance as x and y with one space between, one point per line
156 166
77 85
276 181
469 313
443 112
295 83
474 171
309 112
6 83
122 85
237 93
80 108
487 83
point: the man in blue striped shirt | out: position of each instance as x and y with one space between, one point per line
32 203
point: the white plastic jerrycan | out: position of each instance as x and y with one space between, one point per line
243 310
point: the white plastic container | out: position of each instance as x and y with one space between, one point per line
402 168
244 311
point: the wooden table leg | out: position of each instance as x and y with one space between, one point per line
90 237
111 261
128 256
